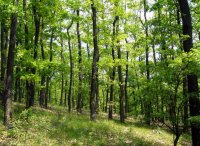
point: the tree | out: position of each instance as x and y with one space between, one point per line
71 67
121 81
94 76
8 91
192 80
147 102
80 100
112 76
4 42
31 84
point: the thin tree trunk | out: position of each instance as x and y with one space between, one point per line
107 95
147 102
20 91
176 140
79 107
62 89
42 90
126 76
185 114
87 46
47 92
94 77
121 83
9 74
4 44
17 85
126 87
48 78
31 84
97 96
73 92
65 98
71 67
51 45
28 84
154 51
112 77
62 82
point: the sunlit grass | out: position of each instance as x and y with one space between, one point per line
57 127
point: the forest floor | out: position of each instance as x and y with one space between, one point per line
40 127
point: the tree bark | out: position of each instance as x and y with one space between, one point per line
79 104
121 82
9 73
17 85
71 68
28 84
65 96
107 95
112 77
191 78
62 74
42 90
31 83
4 44
147 102
94 77
87 45
126 87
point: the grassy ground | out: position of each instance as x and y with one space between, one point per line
58 128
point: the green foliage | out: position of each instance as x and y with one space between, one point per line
195 120
22 124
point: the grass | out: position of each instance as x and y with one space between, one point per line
56 127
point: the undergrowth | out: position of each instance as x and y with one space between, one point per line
56 127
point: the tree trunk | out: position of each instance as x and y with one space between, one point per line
121 83
42 91
126 87
28 84
62 89
121 94
71 67
94 77
176 139
47 92
87 45
9 74
48 78
31 84
185 114
65 98
17 85
192 78
62 82
79 107
51 45
112 77
107 95
4 44
43 78
20 91
147 102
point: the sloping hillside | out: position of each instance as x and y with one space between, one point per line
57 127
